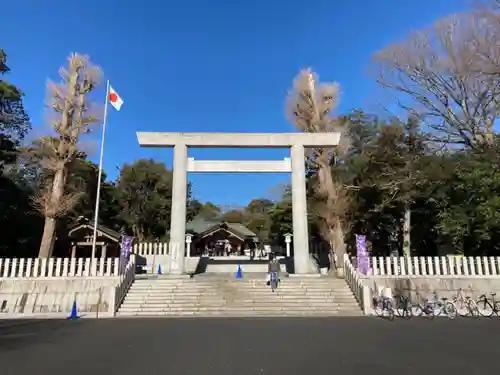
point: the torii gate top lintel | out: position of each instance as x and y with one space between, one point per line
237 140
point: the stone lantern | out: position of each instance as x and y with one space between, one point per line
288 241
189 239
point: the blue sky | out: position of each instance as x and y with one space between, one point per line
206 65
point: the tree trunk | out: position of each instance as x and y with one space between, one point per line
337 246
406 231
48 238
49 229
340 248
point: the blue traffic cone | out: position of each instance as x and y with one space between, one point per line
74 312
239 275
159 269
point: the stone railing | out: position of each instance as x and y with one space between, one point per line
361 291
58 267
435 266
127 279
151 248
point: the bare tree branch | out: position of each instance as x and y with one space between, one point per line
444 76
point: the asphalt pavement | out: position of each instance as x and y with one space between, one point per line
249 346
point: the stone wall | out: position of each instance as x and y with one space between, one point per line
444 286
38 295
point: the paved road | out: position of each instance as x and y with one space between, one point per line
249 346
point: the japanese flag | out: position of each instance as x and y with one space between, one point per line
115 99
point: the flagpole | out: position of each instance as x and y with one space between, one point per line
99 178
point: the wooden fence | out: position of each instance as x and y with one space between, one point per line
435 266
162 248
58 267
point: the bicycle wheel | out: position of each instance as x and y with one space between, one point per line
484 307
390 312
473 310
497 308
430 310
400 311
417 309
450 310
462 308
378 307
437 308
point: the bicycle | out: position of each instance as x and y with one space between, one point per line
382 304
431 307
464 305
488 306
403 307
442 306
447 307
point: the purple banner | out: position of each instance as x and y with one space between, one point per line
363 258
126 250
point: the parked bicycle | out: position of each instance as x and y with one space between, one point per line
423 308
435 307
445 307
382 305
403 307
465 305
488 306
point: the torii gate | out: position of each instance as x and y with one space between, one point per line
297 142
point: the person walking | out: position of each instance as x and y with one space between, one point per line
273 270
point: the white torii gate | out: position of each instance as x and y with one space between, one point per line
182 165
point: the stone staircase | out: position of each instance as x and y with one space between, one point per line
218 295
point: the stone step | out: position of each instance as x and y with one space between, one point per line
144 304
275 298
268 307
229 286
265 296
291 302
236 314
237 307
251 286
235 286
233 280
160 296
242 291
253 292
223 296
239 282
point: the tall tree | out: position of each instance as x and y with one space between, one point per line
144 191
209 211
82 179
445 75
14 122
310 107
389 171
15 187
73 117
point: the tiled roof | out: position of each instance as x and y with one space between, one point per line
85 223
199 225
